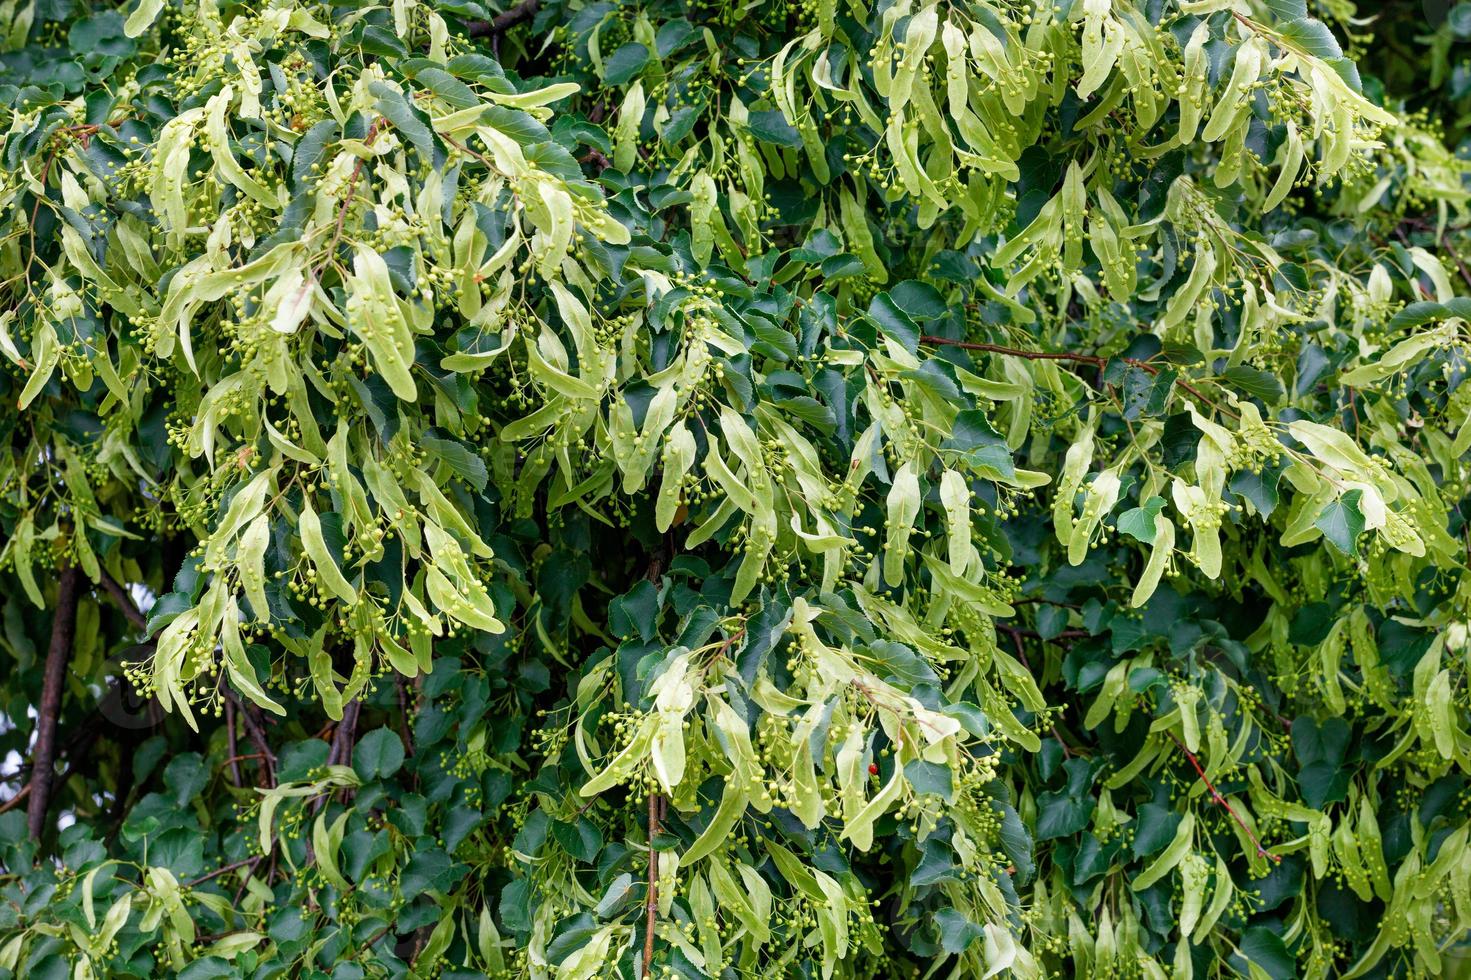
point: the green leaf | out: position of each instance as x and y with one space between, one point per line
893 321
1258 486
166 609
404 118
770 126
308 150
1267 950
1146 393
622 65
447 87
1154 828
383 43
378 754
919 300
957 933
1254 382
518 124
1342 522
464 462
101 34
1312 36
1415 315
636 612
581 839
1139 522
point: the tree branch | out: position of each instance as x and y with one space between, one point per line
651 905
520 13
58 655
124 601
257 734
342 742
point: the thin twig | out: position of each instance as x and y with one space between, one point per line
403 713
1460 263
1215 795
14 801
352 189
225 870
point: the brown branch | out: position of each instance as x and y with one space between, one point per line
342 739
352 189
58 655
651 904
596 159
493 29
14 801
256 731
1215 795
342 742
124 601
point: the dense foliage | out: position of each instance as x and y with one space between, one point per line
687 489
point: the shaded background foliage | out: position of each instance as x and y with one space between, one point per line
438 824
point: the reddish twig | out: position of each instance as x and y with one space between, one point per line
352 189
1216 795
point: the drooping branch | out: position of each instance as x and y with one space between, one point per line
58 656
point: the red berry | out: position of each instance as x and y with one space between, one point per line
873 769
